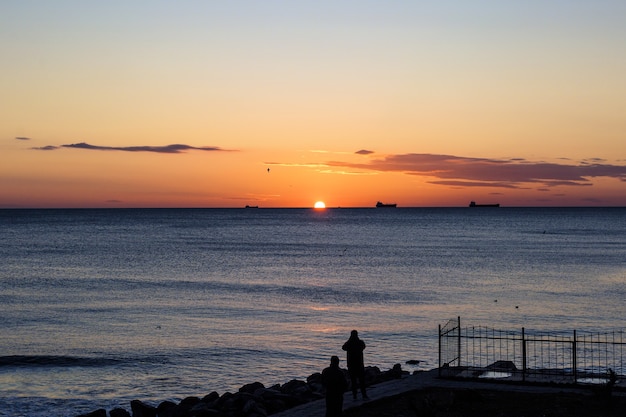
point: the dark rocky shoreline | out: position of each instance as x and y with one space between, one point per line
252 400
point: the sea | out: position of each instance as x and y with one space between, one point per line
99 307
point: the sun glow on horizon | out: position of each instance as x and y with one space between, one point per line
319 205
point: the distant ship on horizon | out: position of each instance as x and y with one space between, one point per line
473 204
391 205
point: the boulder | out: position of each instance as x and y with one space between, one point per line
119 412
166 409
177 410
250 388
141 409
249 406
295 387
274 400
221 402
254 400
396 372
314 378
203 409
210 398
190 401
241 398
275 405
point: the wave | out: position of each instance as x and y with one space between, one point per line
177 357
56 361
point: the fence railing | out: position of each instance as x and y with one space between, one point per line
570 357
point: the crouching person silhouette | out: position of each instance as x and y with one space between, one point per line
336 384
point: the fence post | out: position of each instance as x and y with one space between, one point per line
574 359
523 355
439 361
459 340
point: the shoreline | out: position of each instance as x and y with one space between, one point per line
251 400
397 390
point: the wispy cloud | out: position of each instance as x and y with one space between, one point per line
21 138
364 152
322 168
328 152
174 148
342 172
487 172
297 164
460 183
46 148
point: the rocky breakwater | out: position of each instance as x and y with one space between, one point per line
252 400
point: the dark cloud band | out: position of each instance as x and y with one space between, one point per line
486 172
46 148
175 148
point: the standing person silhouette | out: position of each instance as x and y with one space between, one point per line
354 352
336 384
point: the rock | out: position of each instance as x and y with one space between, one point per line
250 388
238 404
206 413
188 402
396 372
274 400
221 401
294 387
180 410
318 388
242 398
315 382
165 405
119 412
314 378
248 406
210 398
254 400
235 402
275 405
166 409
140 409
202 409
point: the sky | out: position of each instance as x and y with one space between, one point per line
285 103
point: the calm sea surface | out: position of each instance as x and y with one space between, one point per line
100 307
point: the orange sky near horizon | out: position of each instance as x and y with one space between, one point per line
424 105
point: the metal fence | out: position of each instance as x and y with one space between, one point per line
573 357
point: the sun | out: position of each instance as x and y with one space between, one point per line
319 205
